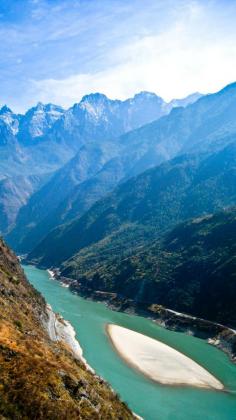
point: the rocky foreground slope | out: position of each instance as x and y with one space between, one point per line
40 378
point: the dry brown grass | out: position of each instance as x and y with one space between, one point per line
40 379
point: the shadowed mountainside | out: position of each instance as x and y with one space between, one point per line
144 208
204 126
47 137
191 269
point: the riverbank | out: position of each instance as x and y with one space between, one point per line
220 336
145 397
158 361
61 330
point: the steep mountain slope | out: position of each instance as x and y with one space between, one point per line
32 224
37 122
39 377
14 193
19 137
10 120
17 181
208 124
144 207
192 270
47 137
43 202
8 144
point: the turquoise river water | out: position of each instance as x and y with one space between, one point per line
146 398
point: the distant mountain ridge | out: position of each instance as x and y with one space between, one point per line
206 125
93 110
47 136
37 122
112 179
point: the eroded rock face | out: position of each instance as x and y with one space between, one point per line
40 378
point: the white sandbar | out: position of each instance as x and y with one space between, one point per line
159 361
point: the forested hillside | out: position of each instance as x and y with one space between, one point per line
192 269
144 208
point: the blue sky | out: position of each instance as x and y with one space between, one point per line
59 50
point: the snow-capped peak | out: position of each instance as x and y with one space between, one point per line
38 120
5 110
10 119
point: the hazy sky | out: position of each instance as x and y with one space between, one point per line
59 50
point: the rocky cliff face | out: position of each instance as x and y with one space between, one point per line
37 122
40 378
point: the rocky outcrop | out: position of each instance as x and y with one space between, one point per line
216 334
42 371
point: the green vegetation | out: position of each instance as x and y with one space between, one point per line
144 208
192 269
19 324
100 166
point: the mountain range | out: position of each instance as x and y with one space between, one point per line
105 182
206 126
46 137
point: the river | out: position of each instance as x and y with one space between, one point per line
148 399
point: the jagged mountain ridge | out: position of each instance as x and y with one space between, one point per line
207 124
93 111
37 122
46 137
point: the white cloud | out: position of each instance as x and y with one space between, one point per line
194 53
72 48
